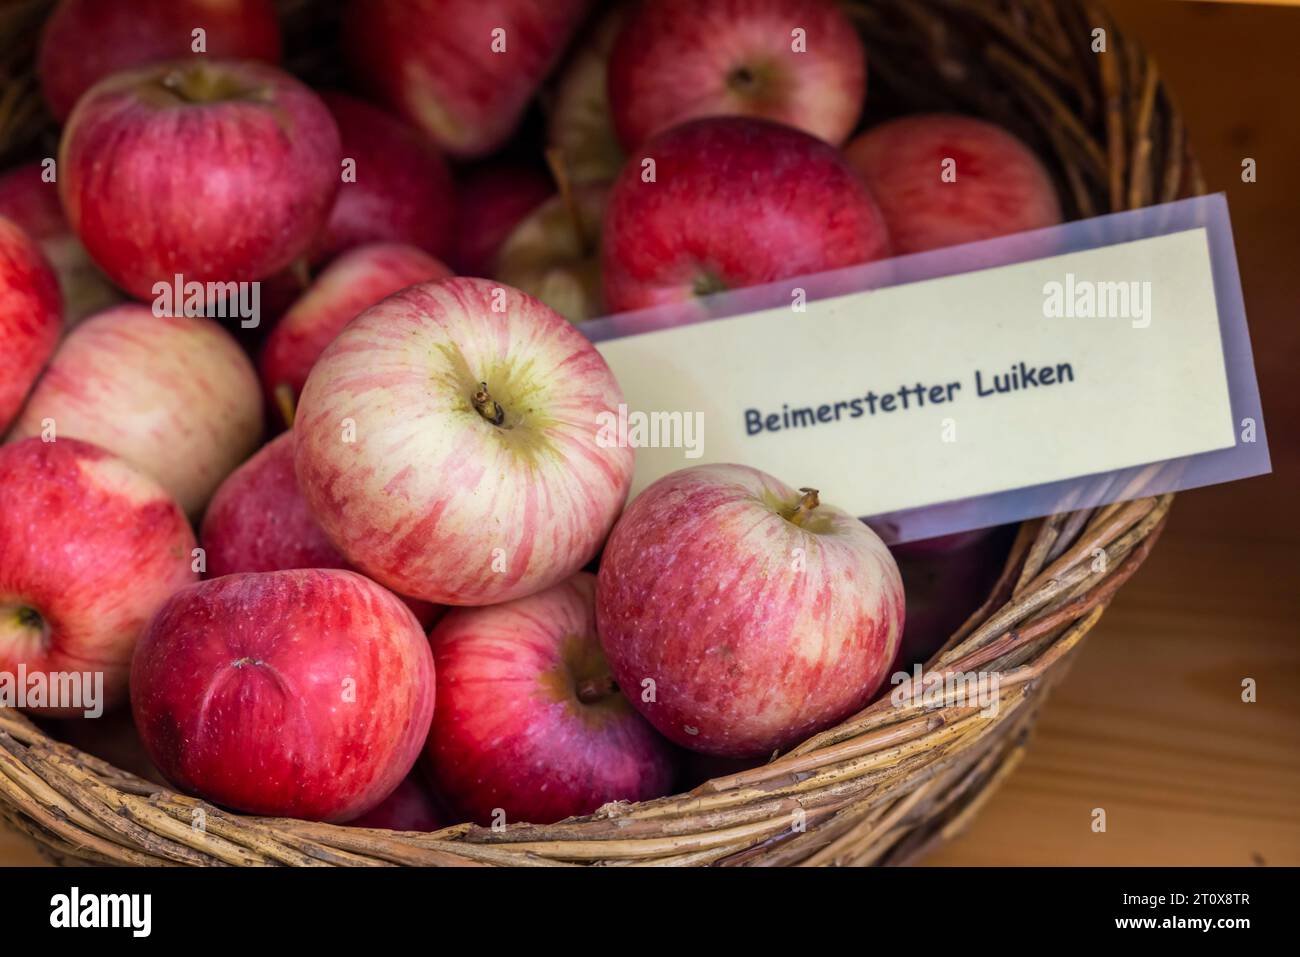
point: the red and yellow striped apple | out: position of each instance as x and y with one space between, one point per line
554 253
448 443
304 693
530 725
579 123
356 280
31 316
176 397
90 548
746 614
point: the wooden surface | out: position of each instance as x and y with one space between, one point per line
1149 725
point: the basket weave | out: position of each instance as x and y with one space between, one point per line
890 781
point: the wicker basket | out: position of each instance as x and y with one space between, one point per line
887 783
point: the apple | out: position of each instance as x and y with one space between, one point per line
755 614
30 316
732 202
357 279
32 203
463 71
402 191
798 62
554 253
276 293
942 180
492 199
258 522
698 768
90 548
176 397
945 580
304 693
216 171
579 124
941 544
449 443
530 725
112 738
86 40
410 808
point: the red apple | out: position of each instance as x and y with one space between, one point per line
747 615
463 71
410 808
797 62
33 203
732 202
86 40
448 442
530 726
554 253
30 317
258 522
698 768
112 738
580 125
492 199
304 693
940 545
402 192
90 548
356 280
176 397
216 171
942 180
276 293
945 580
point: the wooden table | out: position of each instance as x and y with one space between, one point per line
1150 724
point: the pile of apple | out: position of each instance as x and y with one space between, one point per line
440 468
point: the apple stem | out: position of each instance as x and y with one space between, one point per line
487 406
592 690
286 403
560 171
300 271
807 503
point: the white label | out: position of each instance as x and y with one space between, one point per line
949 388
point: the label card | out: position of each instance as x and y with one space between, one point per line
1059 369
